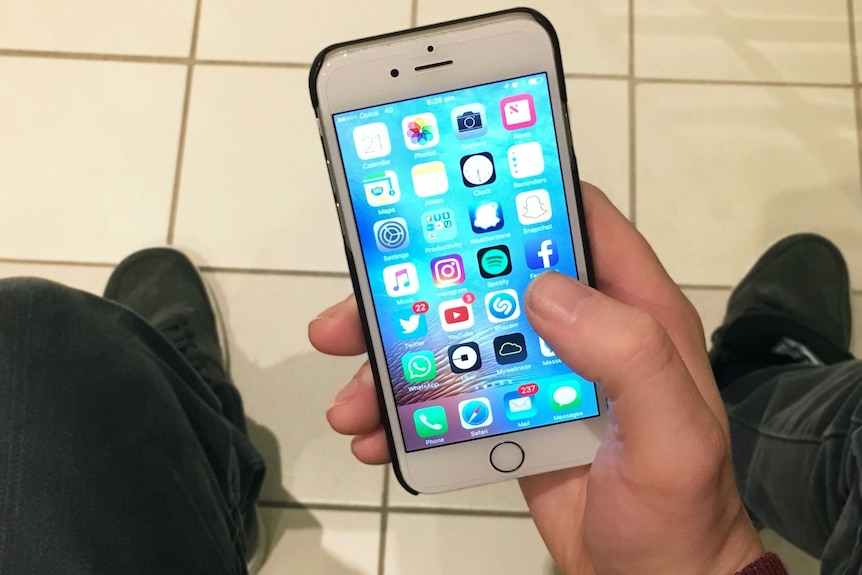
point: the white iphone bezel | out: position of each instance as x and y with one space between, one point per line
482 50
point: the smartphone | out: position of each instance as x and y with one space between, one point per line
455 182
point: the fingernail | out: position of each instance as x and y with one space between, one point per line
556 297
332 311
347 393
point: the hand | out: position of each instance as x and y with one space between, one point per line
660 495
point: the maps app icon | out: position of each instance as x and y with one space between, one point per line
381 189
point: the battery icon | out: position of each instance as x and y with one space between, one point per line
533 82
514 84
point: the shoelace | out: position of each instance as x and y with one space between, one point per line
180 334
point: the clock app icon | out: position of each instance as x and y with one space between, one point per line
478 170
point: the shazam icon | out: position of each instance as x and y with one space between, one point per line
465 357
502 306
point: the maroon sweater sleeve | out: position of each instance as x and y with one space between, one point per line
769 564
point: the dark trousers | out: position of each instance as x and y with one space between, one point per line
115 456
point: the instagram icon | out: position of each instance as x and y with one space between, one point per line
447 271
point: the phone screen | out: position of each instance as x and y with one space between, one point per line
459 202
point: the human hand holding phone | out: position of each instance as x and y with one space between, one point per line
660 495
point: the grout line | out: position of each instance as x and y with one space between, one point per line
854 74
319 506
384 522
633 180
594 76
414 18
13 53
459 512
252 64
56 263
271 272
756 83
181 146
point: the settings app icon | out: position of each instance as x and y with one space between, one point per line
391 234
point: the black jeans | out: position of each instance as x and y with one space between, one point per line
115 456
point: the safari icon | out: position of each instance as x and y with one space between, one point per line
565 396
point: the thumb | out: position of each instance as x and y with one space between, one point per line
654 400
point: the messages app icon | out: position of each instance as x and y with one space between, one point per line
565 396
419 366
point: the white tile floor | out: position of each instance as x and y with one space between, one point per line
716 125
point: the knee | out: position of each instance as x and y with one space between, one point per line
30 306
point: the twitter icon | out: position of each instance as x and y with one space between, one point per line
409 325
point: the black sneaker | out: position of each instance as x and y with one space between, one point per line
165 288
794 304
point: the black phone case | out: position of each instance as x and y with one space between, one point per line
315 101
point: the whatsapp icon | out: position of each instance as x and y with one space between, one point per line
419 366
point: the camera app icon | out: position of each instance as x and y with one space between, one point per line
469 121
448 271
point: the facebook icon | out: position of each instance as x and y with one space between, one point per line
541 254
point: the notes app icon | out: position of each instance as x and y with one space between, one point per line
401 280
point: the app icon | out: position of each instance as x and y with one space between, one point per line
465 357
448 271
401 280
546 349
486 217
502 306
456 315
565 396
469 121
510 348
526 160
372 141
382 189
518 111
478 170
409 325
429 179
541 253
534 207
519 406
475 413
439 225
494 262
420 131
430 421
391 234
419 366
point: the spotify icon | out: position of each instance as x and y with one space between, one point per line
495 262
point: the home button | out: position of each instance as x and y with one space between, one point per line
507 457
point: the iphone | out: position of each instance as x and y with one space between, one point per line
455 182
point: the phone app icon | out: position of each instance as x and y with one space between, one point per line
495 262
546 349
409 325
502 306
448 271
486 217
401 280
419 366
439 225
541 253
465 357
510 348
469 121
534 207
475 413
456 315
565 396
478 169
381 189
526 160
518 111
430 179
391 234
519 406
420 131
372 141
430 421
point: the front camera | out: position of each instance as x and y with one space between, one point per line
394 72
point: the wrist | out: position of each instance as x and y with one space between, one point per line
742 548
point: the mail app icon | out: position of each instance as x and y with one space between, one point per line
519 406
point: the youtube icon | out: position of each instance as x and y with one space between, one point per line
456 315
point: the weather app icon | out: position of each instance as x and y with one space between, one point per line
486 217
502 306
